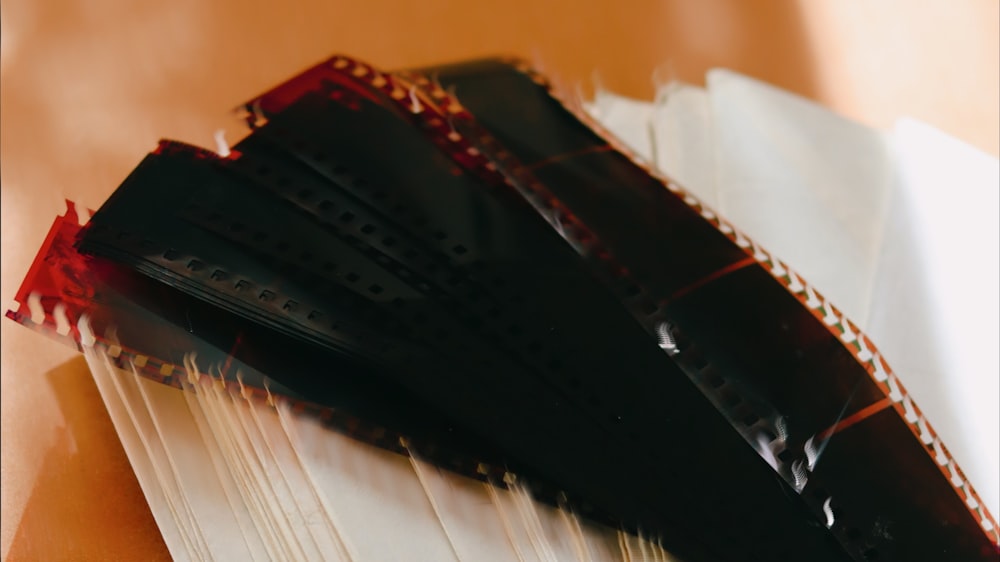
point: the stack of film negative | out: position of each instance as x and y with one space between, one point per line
437 314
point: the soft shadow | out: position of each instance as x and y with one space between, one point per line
86 503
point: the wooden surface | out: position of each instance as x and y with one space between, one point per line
89 86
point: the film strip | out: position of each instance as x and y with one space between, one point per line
47 303
863 349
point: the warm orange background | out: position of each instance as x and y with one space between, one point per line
90 85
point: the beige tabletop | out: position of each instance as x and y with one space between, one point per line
88 86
